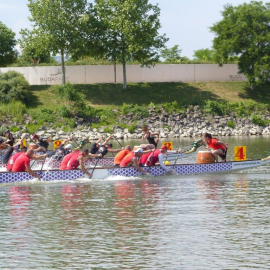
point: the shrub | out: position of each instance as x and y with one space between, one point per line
257 120
231 124
170 107
216 107
64 111
132 128
136 109
13 86
15 109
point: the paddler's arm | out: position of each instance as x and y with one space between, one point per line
105 142
82 168
114 150
162 165
137 166
28 169
37 157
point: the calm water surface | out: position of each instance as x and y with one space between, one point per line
217 221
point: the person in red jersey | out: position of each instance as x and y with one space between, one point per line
76 160
132 159
22 163
218 147
13 158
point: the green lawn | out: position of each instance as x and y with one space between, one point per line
158 93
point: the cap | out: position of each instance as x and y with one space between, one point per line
7 130
164 147
109 144
139 150
35 136
68 146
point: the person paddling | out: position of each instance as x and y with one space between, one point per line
218 147
22 163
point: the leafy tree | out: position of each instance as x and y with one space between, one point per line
129 31
172 55
31 56
204 55
244 31
8 53
57 27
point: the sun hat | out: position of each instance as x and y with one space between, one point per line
139 150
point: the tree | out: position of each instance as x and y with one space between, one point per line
172 55
8 54
57 27
129 32
244 31
204 55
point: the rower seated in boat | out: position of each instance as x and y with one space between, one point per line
76 160
13 158
120 156
132 159
218 147
42 143
22 163
157 156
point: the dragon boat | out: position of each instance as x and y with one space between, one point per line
105 172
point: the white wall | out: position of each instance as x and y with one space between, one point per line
135 74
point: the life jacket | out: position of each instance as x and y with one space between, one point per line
120 156
65 160
73 163
153 158
127 161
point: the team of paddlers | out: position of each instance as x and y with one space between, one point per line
17 157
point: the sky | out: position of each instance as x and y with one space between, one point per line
185 22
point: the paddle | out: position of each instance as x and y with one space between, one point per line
95 167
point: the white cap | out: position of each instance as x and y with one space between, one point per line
139 150
68 146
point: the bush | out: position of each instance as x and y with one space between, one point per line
64 111
43 115
15 109
136 109
257 120
170 107
13 86
132 128
231 124
216 107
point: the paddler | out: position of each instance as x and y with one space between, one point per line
120 156
42 143
150 136
132 159
9 136
218 147
13 158
22 163
76 160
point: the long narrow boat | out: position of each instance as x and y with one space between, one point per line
103 173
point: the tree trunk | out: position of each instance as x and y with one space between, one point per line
124 70
63 67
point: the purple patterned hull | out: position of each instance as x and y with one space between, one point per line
102 173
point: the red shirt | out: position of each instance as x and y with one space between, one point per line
144 158
65 161
11 160
21 162
73 163
127 159
120 156
214 145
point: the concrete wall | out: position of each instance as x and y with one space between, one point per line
105 74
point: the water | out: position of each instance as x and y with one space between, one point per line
217 221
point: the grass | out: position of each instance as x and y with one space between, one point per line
144 93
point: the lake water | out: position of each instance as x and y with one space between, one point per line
215 221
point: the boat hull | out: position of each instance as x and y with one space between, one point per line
103 173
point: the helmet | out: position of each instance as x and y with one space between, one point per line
68 146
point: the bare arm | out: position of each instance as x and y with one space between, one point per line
136 165
114 150
29 170
37 157
99 140
154 134
81 167
108 139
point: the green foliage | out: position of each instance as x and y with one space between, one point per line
108 130
171 107
132 127
257 120
216 107
231 124
58 27
8 54
13 86
135 109
43 115
172 55
73 99
130 32
203 55
244 32
15 109
64 111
